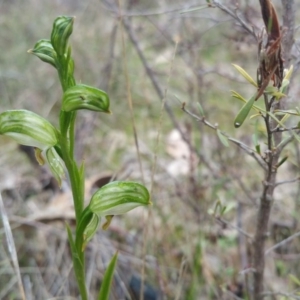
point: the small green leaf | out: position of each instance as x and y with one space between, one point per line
62 29
119 197
284 86
254 116
77 265
218 207
255 139
294 279
292 112
223 210
43 49
90 230
285 118
241 98
245 75
243 113
228 208
56 165
85 97
223 138
200 109
282 161
238 96
86 229
286 139
296 136
274 92
271 89
107 279
289 73
276 119
28 128
257 148
71 241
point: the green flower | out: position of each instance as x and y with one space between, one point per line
85 97
43 49
112 199
119 197
28 128
62 29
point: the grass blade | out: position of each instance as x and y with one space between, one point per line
11 246
107 279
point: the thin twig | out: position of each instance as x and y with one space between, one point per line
240 144
235 16
287 181
245 190
128 13
280 129
283 242
285 142
129 99
159 91
224 222
160 94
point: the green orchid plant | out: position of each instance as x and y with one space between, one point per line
55 146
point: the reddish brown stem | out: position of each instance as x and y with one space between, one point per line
270 19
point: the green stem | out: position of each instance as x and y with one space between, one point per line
67 138
78 266
76 174
72 134
77 187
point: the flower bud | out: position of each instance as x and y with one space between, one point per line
85 97
28 128
43 49
62 29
